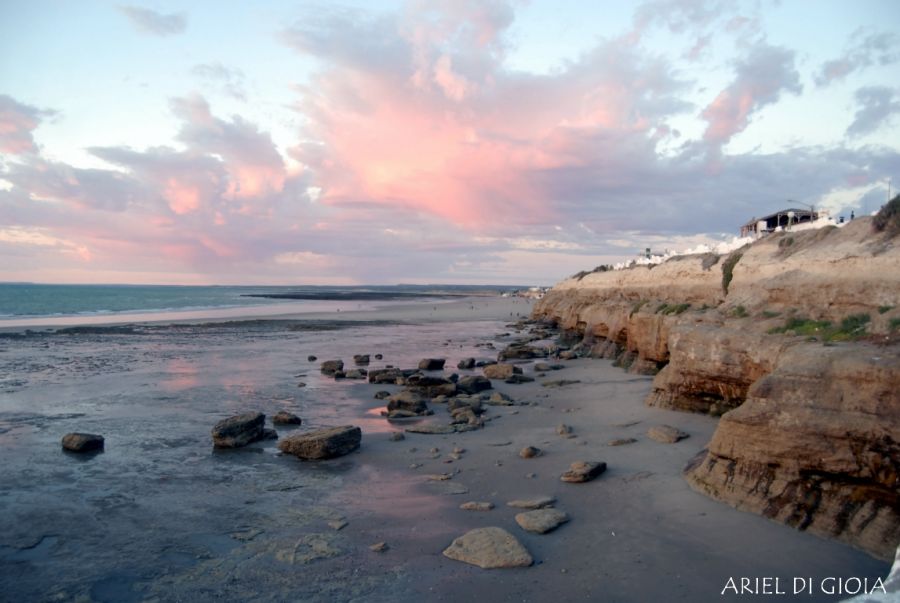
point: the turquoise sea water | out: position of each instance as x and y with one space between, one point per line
19 300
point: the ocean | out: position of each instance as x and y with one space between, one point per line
28 304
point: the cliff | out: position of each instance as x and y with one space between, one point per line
793 340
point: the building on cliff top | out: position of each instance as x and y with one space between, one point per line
779 220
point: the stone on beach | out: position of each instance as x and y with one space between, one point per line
82 442
500 399
541 521
501 371
331 367
543 367
489 548
396 436
473 384
361 359
529 452
325 443
517 378
473 505
311 358
379 547
538 502
666 434
284 417
583 471
564 430
466 363
621 442
521 351
431 364
407 401
239 430
430 428
385 375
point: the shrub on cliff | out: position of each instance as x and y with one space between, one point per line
728 269
888 218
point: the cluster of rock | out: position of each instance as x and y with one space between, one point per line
808 432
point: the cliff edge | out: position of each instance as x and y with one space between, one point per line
794 341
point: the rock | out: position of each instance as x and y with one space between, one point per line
621 442
543 367
408 401
541 521
466 363
432 364
457 403
430 428
430 386
489 548
564 430
284 417
396 436
381 395
666 434
501 371
361 359
385 375
378 356
379 547
239 430
338 524
539 502
560 382
476 506
82 442
568 355
301 384
516 379
583 471
473 384
269 434
355 374
521 351
529 452
500 399
331 367
324 443
311 358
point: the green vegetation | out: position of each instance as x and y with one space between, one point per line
728 269
637 306
739 312
676 309
601 268
887 219
786 242
884 309
852 327
770 314
895 324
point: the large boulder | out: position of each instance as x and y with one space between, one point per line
408 401
473 384
489 548
332 367
432 364
385 375
501 371
466 363
82 442
283 417
430 386
324 443
239 430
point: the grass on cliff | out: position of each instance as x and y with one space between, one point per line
887 219
728 269
676 309
851 328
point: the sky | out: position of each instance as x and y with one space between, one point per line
444 141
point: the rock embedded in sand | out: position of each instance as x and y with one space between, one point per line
332 367
325 443
543 367
381 395
564 430
501 371
239 430
500 399
532 503
516 379
430 428
666 434
407 401
541 521
621 442
284 417
489 548
529 452
560 382
473 505
396 436
583 471
361 359
379 547
432 364
82 442
522 352
466 363
357 373
385 375
311 358
473 384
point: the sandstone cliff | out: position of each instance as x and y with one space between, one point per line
793 340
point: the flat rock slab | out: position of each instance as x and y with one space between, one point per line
621 442
474 505
322 444
82 442
286 418
432 364
666 434
541 521
489 548
431 428
538 502
583 471
239 430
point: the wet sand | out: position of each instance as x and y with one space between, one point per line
161 516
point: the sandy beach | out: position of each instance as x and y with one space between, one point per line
161 516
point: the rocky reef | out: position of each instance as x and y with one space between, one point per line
794 341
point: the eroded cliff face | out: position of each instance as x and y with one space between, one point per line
809 430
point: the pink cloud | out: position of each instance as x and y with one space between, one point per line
17 122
